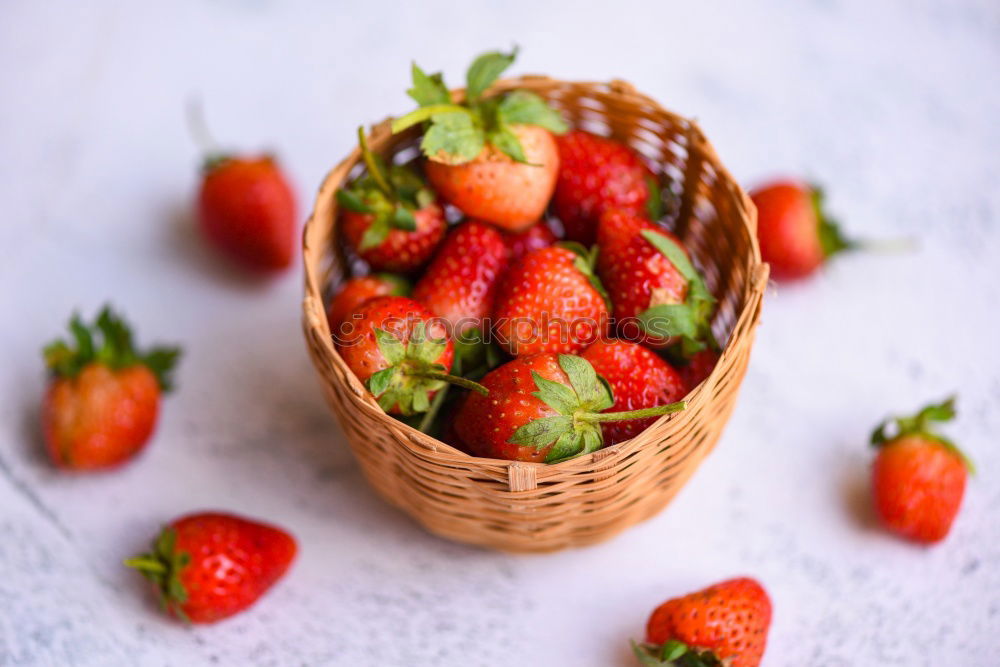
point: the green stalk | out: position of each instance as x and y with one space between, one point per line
451 379
373 168
633 414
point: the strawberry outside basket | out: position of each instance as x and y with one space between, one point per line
534 507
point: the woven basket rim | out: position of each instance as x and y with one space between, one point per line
421 444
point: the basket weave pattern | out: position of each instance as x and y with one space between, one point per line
531 507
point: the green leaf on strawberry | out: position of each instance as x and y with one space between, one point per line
921 425
457 133
107 341
674 654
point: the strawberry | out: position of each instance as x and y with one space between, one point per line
597 174
246 209
550 301
209 566
356 291
401 352
519 244
918 478
638 379
696 369
389 216
101 405
542 408
724 625
460 282
496 158
652 283
796 235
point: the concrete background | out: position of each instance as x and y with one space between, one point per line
894 106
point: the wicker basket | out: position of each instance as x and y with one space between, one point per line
532 507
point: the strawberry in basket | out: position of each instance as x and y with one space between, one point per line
356 291
102 402
655 289
401 352
389 216
495 159
543 408
597 174
919 476
519 244
723 625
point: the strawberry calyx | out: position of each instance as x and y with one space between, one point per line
576 429
457 133
831 238
674 653
586 263
413 373
390 193
691 320
920 425
107 341
162 565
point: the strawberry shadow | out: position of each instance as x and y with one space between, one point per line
855 488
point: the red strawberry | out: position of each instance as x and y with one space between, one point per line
638 378
597 174
698 368
655 289
495 159
550 301
356 291
542 408
100 408
401 352
389 216
460 282
919 476
723 625
210 566
796 236
519 244
247 210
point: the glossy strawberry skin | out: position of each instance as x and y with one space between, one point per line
731 619
247 210
396 314
356 291
698 368
635 274
496 189
788 229
101 417
519 244
460 283
545 304
402 251
918 486
485 423
233 562
596 174
638 378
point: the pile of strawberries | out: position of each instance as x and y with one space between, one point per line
567 331
524 299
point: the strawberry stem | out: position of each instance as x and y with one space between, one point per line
373 167
452 379
634 414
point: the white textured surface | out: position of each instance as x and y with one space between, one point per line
894 105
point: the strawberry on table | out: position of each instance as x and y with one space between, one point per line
597 174
795 233
209 566
495 159
519 244
246 209
724 625
461 280
655 289
401 352
101 405
356 291
550 301
638 379
389 215
542 408
918 478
